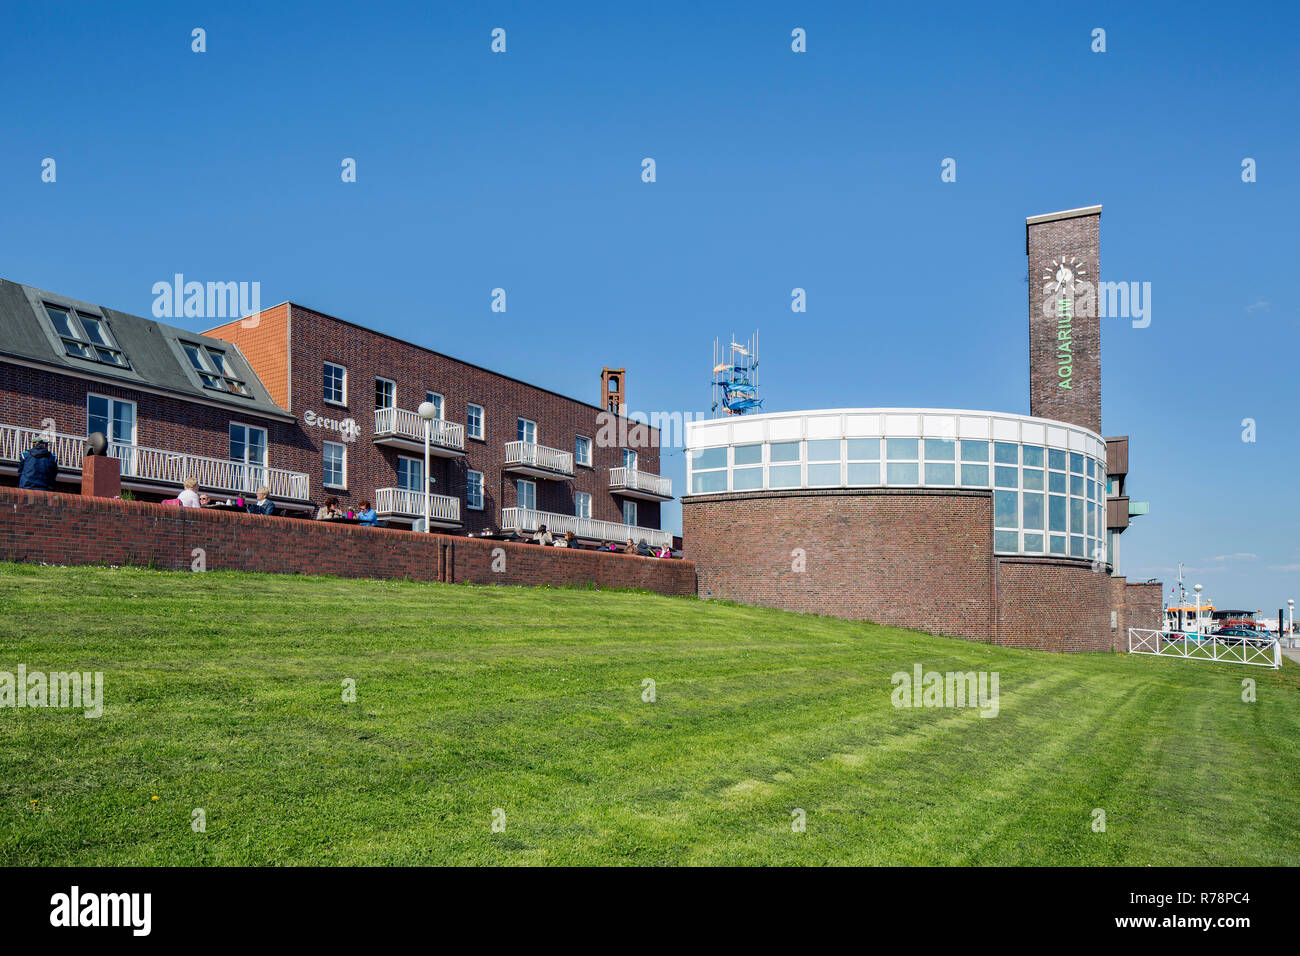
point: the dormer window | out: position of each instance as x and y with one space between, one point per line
214 369
86 336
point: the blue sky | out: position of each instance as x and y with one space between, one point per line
775 170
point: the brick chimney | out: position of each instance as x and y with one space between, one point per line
613 390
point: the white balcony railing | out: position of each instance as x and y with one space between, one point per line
529 520
161 466
401 423
410 504
641 481
526 454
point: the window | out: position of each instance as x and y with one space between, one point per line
385 393
336 384
214 368
474 490
629 458
779 473
526 492
581 504
334 465
901 467
86 336
582 451
629 512
410 472
248 447
824 462
864 461
434 399
747 467
113 417
474 421
526 431
940 461
708 470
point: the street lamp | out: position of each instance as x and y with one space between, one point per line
1290 620
1197 589
428 411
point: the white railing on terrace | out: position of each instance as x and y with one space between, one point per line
401 423
539 456
1205 647
161 466
528 519
640 481
410 504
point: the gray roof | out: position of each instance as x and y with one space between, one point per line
152 349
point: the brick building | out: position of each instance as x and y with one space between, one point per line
314 407
985 525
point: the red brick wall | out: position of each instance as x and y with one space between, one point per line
918 559
913 559
1145 604
40 526
264 340
1053 605
318 338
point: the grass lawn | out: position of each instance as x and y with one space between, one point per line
224 692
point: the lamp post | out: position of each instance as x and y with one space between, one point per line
1290 620
427 411
1197 589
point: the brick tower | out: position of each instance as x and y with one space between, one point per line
1064 250
613 390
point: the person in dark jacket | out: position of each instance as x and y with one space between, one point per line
263 505
39 468
643 549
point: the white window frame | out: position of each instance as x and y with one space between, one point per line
386 381
630 458
418 465
440 404
578 459
580 498
526 425
135 415
482 422
519 496
469 485
325 398
344 449
82 340
635 517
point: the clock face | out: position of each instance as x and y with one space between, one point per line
1063 274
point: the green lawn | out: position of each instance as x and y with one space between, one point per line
224 692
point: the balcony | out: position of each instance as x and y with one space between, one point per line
444 511
528 520
525 458
631 483
405 429
160 469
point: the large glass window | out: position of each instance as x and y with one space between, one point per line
526 430
708 470
248 447
334 465
474 421
582 451
784 475
409 473
385 393
526 494
824 463
112 417
863 461
474 490
581 504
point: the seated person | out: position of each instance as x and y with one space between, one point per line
643 549
367 515
629 548
663 552
543 537
39 468
568 541
205 501
330 510
263 505
189 497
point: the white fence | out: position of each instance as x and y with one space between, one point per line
1205 647
402 423
640 481
527 519
160 466
539 456
410 504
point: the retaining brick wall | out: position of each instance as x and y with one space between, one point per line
914 559
39 526
1053 605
